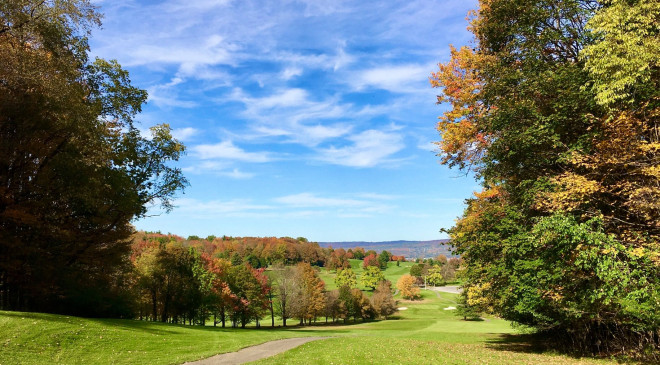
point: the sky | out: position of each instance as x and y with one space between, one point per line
300 118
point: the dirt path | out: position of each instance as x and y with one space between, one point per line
255 353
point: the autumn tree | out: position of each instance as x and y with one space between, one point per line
74 170
383 301
407 286
308 301
370 260
555 109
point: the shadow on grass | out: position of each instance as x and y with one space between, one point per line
539 344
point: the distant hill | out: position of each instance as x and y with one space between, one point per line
409 249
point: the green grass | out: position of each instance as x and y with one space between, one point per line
392 273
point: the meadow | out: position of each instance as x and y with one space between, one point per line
423 333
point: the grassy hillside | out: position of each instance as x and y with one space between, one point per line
424 333
392 273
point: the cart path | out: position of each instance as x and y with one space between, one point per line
255 353
454 289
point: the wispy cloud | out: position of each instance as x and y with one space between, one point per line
395 78
368 149
226 150
338 206
185 134
311 200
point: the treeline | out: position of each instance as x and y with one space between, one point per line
187 281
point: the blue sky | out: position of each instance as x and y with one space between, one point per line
301 118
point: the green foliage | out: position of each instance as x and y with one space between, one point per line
555 108
371 276
435 276
383 259
417 270
624 59
345 277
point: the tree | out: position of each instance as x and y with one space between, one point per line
417 270
358 253
435 276
383 259
382 301
308 301
74 171
250 297
371 276
370 260
346 277
287 286
363 308
555 108
406 285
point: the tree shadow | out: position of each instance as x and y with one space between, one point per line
539 344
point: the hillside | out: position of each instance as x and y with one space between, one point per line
409 249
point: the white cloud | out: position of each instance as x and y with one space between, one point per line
368 149
291 72
227 150
221 168
397 79
219 207
184 134
236 174
311 200
288 113
335 206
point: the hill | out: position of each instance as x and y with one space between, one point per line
409 249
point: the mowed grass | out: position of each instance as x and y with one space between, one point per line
37 338
424 333
392 273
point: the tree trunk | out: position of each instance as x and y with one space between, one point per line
155 305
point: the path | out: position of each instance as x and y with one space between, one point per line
454 289
255 353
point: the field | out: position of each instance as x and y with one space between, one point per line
423 333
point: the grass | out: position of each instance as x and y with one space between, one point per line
424 333
392 273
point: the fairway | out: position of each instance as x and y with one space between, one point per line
424 333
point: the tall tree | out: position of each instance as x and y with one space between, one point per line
74 171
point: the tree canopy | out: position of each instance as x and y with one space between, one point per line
74 170
555 108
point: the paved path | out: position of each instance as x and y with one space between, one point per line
255 353
454 289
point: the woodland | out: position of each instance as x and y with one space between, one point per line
553 108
